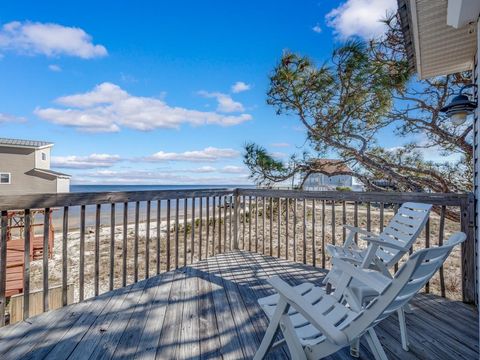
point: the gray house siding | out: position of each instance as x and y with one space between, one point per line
20 162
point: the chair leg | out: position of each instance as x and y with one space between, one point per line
403 328
269 337
293 343
355 348
407 308
375 345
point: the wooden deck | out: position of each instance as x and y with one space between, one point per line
209 310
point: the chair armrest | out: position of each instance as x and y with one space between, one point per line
308 311
371 278
358 230
382 243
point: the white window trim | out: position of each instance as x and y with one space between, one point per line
9 178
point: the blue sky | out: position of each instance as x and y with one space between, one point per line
160 92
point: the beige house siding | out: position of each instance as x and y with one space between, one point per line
40 163
63 185
20 162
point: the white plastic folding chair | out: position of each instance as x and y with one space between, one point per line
383 252
316 324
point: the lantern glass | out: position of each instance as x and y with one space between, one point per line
459 118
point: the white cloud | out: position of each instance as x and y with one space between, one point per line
231 169
55 68
4 117
360 18
48 39
225 102
108 108
209 154
317 29
240 86
154 177
280 145
85 162
278 155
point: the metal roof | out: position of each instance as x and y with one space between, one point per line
24 143
433 47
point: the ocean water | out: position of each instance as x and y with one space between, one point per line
108 188
105 209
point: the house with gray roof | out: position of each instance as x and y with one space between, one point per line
25 168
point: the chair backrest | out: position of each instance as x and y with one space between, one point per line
408 280
403 230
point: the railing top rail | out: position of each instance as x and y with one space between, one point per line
35 201
448 199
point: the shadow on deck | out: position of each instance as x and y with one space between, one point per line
209 310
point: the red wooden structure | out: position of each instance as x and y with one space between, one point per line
16 246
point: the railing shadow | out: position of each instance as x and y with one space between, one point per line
210 311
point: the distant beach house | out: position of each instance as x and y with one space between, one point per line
330 176
25 168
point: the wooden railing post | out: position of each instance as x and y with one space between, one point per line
469 289
235 220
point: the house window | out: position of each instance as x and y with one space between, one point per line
5 178
44 156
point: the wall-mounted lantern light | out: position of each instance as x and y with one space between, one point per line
460 107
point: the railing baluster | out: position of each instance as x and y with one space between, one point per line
304 231
369 218
124 244
244 219
256 223
26 266
314 246
147 241
441 232
207 234
200 228
135 244
235 221
279 225
46 250
159 223
97 248
169 205
287 210
219 245
64 256
295 229
3 266
333 222
213 225
225 224
249 223
264 213
230 238
192 232
323 234
81 268
355 219
185 232
427 245
271 227
177 205
112 247
382 210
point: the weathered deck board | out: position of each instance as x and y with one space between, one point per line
209 311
